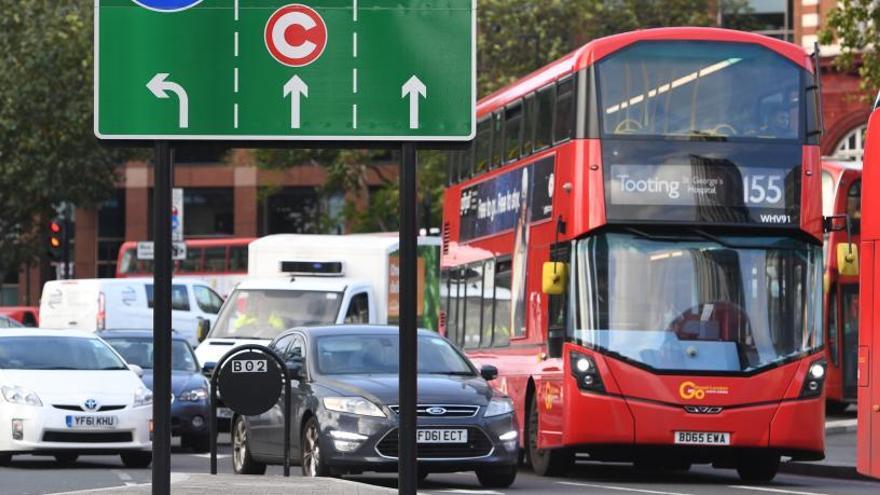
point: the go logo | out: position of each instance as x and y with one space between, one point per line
296 35
690 390
167 5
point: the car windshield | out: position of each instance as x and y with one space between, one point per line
263 314
378 354
730 305
139 351
699 89
57 353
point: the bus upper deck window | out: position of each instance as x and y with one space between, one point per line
483 146
512 127
528 135
564 110
544 117
497 141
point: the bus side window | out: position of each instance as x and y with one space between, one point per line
564 110
483 146
473 308
528 134
488 303
854 205
215 259
193 261
513 120
497 138
544 117
503 300
238 259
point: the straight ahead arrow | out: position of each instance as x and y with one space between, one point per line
413 88
160 87
295 88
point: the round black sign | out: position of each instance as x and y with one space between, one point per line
250 383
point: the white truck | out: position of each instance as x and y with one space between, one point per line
307 280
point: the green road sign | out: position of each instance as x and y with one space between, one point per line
344 70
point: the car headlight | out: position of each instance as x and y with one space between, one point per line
353 405
19 395
194 395
499 406
143 397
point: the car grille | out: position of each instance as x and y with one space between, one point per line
87 437
80 409
478 445
449 411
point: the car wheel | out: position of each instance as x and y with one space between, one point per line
545 462
242 462
198 443
5 459
312 464
138 460
66 458
497 477
758 468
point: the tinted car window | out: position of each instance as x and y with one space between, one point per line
57 353
139 351
378 354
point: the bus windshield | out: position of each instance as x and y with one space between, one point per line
263 314
699 89
719 304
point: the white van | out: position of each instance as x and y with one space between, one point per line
119 303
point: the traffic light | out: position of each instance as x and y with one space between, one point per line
56 240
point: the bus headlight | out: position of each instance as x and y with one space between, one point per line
585 372
815 380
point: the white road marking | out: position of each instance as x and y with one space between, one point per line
235 115
772 490
354 10
235 79
235 51
475 492
354 80
619 488
122 475
208 456
354 44
354 116
236 10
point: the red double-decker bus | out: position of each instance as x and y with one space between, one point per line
634 239
868 447
841 199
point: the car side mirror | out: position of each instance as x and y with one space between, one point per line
295 369
204 326
489 372
208 369
137 370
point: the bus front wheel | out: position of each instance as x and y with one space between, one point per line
545 462
758 468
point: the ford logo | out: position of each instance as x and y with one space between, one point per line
436 411
90 405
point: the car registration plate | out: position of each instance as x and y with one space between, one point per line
441 436
91 421
224 413
701 438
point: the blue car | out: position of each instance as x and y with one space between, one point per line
190 400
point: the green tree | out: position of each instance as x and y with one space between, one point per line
48 153
855 25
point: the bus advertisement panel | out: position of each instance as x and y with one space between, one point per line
634 239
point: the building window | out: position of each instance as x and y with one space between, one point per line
208 211
111 233
852 146
290 210
774 18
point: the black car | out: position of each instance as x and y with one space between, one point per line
190 402
344 409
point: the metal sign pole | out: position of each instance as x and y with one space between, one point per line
407 448
162 319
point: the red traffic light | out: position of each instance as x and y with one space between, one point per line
55 227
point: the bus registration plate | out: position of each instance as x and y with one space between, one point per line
701 438
441 436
